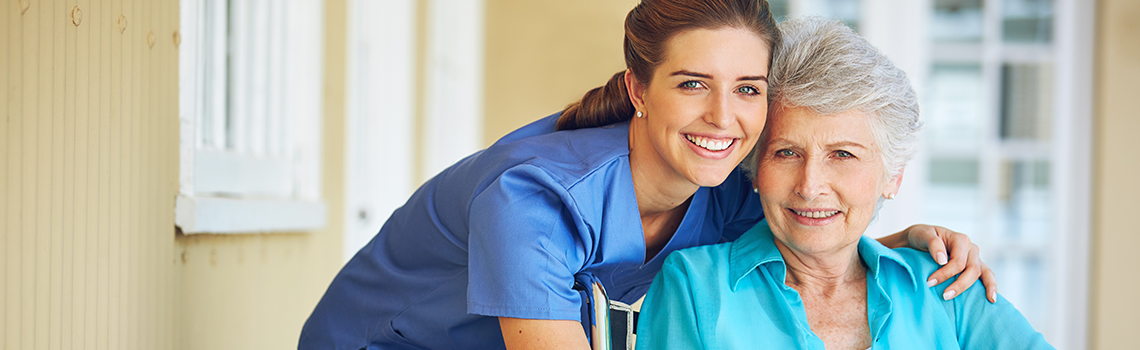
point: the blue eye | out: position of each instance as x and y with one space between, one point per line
691 84
844 154
748 90
785 153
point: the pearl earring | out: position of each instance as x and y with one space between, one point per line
755 190
890 196
639 115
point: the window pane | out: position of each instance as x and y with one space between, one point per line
779 9
957 21
845 10
1023 280
954 110
1028 21
1026 101
953 194
1023 203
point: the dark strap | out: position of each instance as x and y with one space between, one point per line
623 324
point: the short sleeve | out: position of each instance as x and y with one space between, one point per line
523 249
668 317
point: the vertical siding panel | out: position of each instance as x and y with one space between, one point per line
146 307
50 23
166 167
9 16
74 333
15 281
146 211
133 266
96 323
64 76
28 187
44 148
122 232
130 266
61 339
127 67
87 166
66 216
115 178
151 306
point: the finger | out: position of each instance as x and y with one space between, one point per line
919 237
958 244
958 262
966 279
989 280
937 244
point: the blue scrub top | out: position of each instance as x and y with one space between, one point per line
733 296
506 232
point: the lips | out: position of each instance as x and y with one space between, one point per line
711 144
816 214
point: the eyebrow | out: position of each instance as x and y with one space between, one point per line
706 76
846 144
840 144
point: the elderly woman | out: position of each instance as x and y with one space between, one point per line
843 121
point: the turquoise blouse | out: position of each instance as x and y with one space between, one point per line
732 296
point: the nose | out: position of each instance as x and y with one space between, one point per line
720 112
812 182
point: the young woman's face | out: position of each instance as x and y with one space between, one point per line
705 107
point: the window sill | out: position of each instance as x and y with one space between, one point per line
229 216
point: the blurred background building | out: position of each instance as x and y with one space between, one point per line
191 174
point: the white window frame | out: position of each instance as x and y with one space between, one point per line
380 128
453 93
380 137
249 113
1068 152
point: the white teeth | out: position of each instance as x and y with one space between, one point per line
816 214
712 145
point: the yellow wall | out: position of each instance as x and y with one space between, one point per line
543 55
89 152
89 159
1116 194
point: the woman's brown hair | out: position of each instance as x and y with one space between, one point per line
648 27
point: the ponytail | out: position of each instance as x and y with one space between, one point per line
604 105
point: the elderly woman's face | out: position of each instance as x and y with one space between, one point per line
819 178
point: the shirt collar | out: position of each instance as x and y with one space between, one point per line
757 247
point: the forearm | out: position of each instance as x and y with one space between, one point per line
896 240
528 334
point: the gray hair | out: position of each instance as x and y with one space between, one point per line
825 66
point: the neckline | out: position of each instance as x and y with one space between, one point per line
689 223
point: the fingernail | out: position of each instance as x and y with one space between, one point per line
993 297
941 258
931 282
949 294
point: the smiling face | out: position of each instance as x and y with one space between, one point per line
703 109
819 178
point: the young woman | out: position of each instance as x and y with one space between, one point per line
487 253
